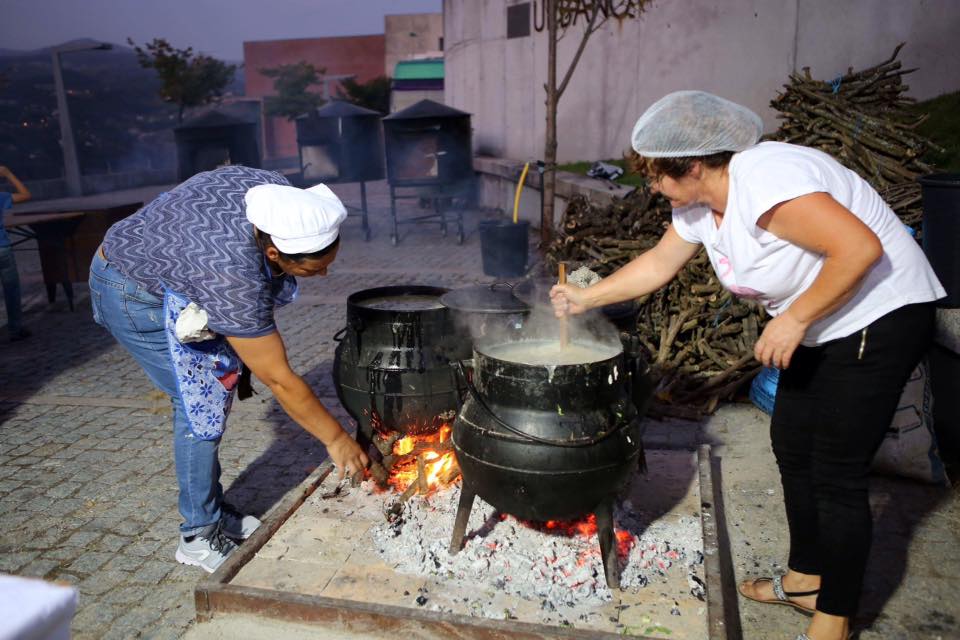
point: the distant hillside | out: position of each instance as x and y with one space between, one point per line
119 121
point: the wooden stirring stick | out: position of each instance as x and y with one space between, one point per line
564 328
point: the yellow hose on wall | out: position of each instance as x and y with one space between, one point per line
516 197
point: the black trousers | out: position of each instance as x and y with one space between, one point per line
834 403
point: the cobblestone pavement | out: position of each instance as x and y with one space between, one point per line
87 487
88 495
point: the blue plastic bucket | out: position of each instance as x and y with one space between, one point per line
763 389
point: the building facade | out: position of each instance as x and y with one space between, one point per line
360 57
417 35
416 80
496 58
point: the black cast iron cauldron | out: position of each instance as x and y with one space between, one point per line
550 442
392 368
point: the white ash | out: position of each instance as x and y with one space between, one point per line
560 572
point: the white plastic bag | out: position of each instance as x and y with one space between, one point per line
192 325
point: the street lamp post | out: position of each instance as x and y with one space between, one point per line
70 164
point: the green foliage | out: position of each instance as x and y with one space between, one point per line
942 127
292 83
374 94
187 79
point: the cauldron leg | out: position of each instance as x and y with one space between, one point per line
608 543
463 517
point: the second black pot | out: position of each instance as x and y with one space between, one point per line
548 442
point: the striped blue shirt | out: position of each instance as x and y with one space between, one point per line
196 240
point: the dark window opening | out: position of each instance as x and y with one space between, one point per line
518 20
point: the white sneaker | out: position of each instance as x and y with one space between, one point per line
236 525
207 549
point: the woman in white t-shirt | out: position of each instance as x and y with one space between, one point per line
849 292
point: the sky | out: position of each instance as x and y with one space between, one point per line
214 27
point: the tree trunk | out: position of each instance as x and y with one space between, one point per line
550 145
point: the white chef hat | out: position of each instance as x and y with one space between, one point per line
298 220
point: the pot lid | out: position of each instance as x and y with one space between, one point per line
484 298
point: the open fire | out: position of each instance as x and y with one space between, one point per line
426 460
425 463
412 464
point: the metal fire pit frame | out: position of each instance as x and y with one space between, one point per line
437 194
361 211
215 595
297 180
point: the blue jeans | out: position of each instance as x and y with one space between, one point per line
135 318
11 289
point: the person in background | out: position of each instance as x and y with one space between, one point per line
188 285
8 264
850 294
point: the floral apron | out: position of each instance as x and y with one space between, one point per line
207 371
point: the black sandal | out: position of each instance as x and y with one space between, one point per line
782 597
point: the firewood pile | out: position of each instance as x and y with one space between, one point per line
696 336
864 120
606 238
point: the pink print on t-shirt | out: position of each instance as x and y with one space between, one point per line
724 271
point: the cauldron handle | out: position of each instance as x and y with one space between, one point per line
584 442
460 374
338 336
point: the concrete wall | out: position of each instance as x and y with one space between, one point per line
361 56
411 35
743 50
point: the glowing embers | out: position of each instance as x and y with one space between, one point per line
585 527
